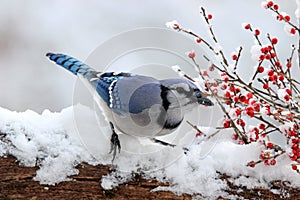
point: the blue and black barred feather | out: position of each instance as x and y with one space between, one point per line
71 64
104 83
106 87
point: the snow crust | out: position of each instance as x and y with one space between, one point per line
51 142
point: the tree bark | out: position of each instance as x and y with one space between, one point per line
16 182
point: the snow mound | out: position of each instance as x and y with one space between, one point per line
51 142
42 140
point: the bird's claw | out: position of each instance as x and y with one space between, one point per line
114 143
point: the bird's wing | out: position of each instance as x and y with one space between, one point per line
104 84
134 94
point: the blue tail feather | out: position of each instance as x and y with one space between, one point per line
71 64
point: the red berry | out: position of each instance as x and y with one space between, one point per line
268 56
288 91
289 64
267 162
226 124
287 97
192 54
251 164
262 126
266 86
273 162
198 40
278 64
256 32
287 18
235 136
232 88
209 16
238 112
293 158
295 146
249 95
270 72
294 167
253 102
276 7
256 107
250 111
227 95
261 57
264 50
237 90
243 98
279 17
198 134
223 87
293 31
270 145
294 141
260 69
236 99
247 26
274 40
242 123
273 55
269 48
270 4
281 78
234 57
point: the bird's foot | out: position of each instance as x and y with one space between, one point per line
114 142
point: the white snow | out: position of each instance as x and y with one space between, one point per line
172 24
255 52
177 69
42 140
264 4
51 141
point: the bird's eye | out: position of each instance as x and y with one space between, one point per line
181 90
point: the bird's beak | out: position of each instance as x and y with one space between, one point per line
203 100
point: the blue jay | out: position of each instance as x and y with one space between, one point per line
134 104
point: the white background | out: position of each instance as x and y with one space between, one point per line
30 29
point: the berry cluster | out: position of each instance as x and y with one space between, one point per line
268 103
281 16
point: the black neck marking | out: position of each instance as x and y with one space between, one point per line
173 125
163 94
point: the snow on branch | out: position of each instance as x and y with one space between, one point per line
269 102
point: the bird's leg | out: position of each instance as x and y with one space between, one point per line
167 144
115 142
